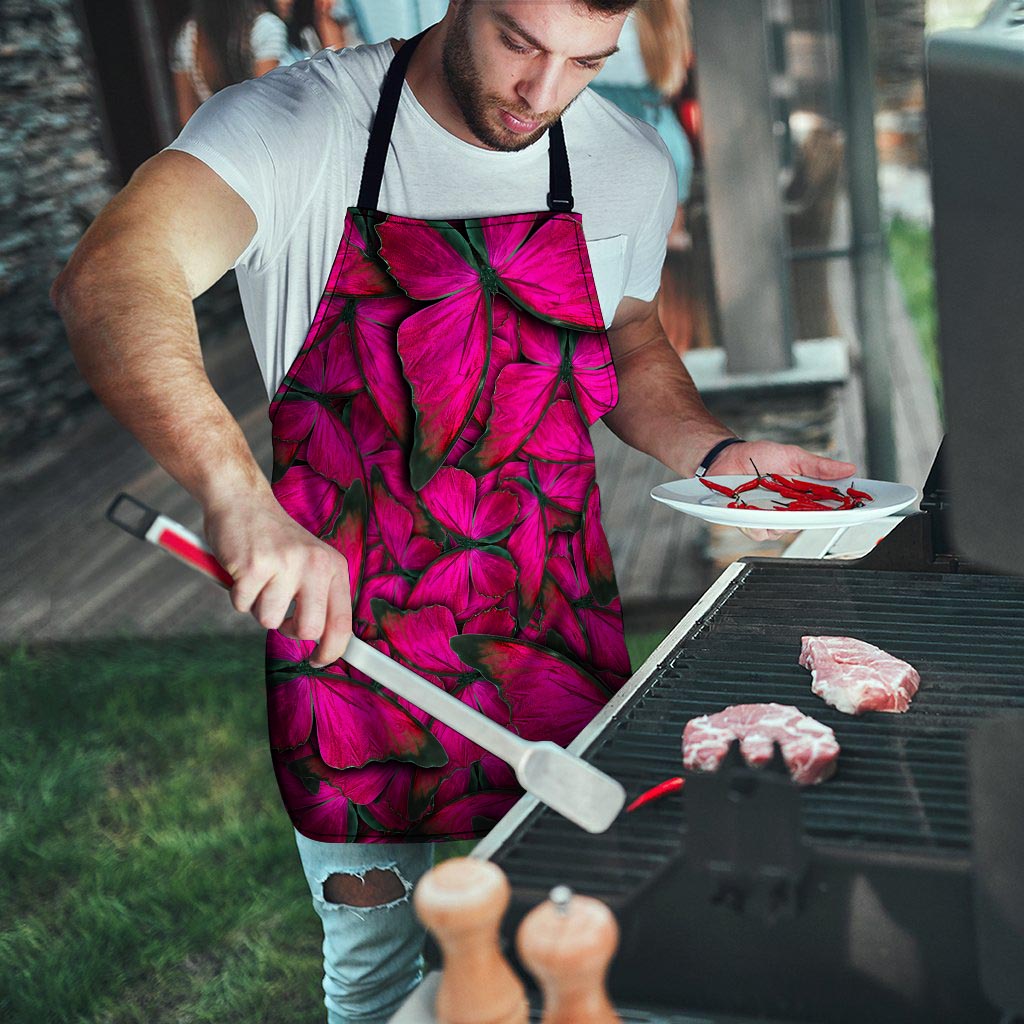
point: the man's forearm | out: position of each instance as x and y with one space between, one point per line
133 333
660 411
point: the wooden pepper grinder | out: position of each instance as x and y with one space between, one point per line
462 901
567 942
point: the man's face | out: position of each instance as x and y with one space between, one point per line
513 66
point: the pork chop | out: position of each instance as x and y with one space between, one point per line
809 748
854 677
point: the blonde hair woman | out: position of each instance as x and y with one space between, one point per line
649 72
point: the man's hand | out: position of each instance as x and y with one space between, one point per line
273 561
771 457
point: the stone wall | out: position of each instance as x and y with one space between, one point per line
54 178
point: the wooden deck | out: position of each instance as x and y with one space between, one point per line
73 575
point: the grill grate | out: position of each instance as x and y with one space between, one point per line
902 779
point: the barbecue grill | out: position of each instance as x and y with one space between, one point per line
894 892
744 895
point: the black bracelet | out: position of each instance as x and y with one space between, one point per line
705 463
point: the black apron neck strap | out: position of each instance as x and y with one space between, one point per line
383 123
559 197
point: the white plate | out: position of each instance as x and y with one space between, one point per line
693 498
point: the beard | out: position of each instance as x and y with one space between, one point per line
479 108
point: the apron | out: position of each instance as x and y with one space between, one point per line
434 430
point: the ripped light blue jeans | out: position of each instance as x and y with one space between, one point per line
373 955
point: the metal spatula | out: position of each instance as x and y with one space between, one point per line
567 784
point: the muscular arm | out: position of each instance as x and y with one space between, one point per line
126 300
659 411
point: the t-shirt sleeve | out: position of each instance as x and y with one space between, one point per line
269 140
269 38
649 251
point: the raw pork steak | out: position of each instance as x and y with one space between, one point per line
855 677
809 748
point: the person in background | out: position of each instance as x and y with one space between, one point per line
221 43
373 21
313 25
646 76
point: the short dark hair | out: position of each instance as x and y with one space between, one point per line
609 6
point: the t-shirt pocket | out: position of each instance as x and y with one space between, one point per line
608 267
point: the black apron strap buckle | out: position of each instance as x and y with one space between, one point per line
560 181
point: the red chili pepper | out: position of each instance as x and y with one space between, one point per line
808 487
749 485
779 488
793 485
656 793
863 495
806 505
721 488
788 492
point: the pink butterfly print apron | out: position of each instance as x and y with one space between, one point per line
434 430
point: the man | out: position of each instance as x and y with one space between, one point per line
433 377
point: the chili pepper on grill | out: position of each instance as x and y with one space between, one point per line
720 488
657 792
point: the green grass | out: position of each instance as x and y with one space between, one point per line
910 246
148 871
641 646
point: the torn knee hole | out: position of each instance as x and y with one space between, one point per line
374 889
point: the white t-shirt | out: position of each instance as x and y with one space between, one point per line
292 144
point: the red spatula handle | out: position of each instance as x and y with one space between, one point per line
147 524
